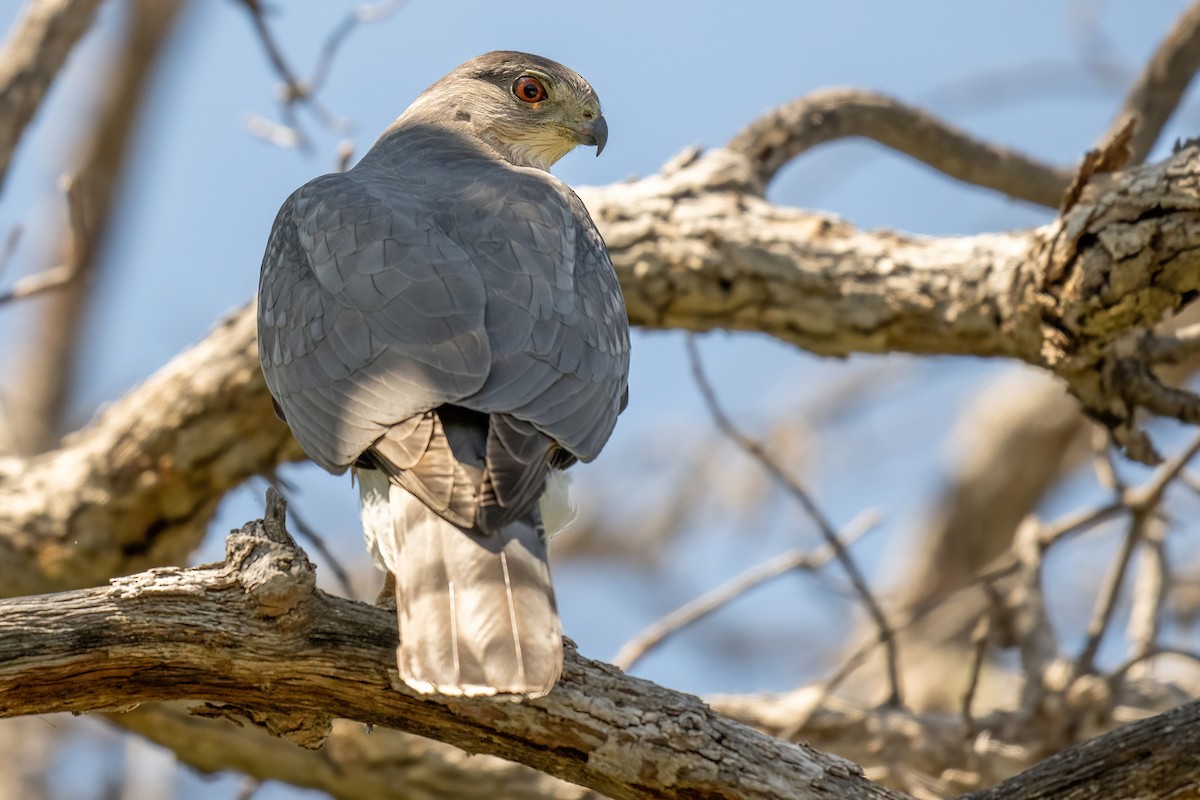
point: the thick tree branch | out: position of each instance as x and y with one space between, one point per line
36 49
137 487
1152 758
254 635
776 138
354 764
696 250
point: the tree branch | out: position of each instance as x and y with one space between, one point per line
1152 758
255 638
355 763
44 378
137 487
696 250
254 635
35 51
1159 89
775 139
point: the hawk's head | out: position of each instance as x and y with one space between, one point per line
531 109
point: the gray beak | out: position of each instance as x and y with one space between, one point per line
594 133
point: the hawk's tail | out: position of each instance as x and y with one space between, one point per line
476 611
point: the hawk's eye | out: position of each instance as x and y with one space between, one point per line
529 89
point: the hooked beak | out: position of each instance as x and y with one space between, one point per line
594 133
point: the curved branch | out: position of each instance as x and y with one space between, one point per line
36 49
1142 759
776 138
1161 86
355 763
254 635
695 250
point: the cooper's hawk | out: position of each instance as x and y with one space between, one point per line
444 317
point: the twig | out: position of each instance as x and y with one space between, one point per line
63 274
297 91
637 647
1102 461
363 14
1106 601
309 534
980 637
1078 522
756 451
1118 676
1143 503
1156 94
1150 590
858 657
53 278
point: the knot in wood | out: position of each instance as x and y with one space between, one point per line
269 565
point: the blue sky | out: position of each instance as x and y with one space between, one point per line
1043 77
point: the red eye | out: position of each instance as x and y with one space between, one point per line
529 89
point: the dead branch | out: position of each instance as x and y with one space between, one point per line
688 614
695 249
832 539
775 139
355 763
254 637
55 277
137 487
30 58
295 91
45 376
1024 434
1141 759
1160 88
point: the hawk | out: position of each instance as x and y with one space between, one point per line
444 318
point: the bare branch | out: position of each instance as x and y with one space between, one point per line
797 560
156 634
793 487
297 91
30 59
700 252
1156 94
775 139
55 277
354 764
1142 759
137 487
46 373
